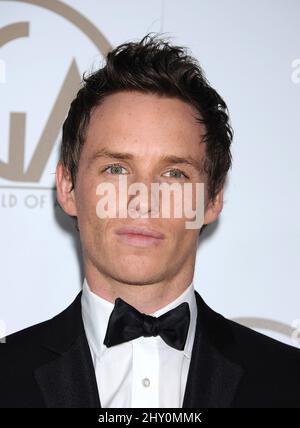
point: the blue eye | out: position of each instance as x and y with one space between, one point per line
117 168
114 167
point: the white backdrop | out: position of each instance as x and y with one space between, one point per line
248 262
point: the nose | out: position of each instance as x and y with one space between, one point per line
142 201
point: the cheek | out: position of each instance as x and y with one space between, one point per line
86 196
89 224
183 237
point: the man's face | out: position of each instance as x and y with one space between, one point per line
149 128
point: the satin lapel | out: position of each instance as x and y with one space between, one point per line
69 379
213 378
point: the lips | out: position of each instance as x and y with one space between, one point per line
140 236
140 231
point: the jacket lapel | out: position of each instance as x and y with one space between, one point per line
68 380
213 378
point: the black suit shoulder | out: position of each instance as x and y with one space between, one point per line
19 356
24 351
271 368
31 337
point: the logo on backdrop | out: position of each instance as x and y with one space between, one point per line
292 332
14 173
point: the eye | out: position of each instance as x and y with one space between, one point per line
114 167
176 172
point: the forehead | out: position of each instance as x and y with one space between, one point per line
146 122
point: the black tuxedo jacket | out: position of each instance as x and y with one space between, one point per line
49 365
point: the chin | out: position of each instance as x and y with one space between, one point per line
138 276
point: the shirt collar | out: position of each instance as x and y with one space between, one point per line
96 312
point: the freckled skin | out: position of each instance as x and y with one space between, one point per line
149 127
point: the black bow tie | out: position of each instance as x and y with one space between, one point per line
127 323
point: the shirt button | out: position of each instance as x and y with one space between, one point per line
146 382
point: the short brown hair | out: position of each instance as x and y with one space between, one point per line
153 65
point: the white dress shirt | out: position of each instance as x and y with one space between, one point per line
144 372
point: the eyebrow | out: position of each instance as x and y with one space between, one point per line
105 153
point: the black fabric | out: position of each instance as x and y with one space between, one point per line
50 365
127 323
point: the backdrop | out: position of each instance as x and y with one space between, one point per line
248 262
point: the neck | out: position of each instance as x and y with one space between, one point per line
147 297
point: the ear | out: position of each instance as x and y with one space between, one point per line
214 208
65 195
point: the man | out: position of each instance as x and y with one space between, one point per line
139 335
